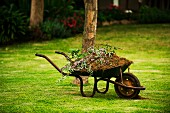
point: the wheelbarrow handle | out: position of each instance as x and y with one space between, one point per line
62 53
41 55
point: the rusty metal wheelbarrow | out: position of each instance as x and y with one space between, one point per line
126 85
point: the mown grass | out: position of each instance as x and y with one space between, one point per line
29 83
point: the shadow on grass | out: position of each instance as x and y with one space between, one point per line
110 95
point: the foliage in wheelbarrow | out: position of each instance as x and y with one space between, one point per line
96 59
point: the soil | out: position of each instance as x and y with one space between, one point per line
94 62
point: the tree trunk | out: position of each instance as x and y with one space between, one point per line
37 10
90 24
89 33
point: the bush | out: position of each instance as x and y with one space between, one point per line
112 13
65 13
58 8
74 23
153 15
53 28
13 24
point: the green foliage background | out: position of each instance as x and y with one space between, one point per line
13 24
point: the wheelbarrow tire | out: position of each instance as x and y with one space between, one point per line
130 80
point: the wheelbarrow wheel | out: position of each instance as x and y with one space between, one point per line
130 80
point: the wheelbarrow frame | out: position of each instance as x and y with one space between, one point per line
97 78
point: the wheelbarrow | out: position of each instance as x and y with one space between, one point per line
126 84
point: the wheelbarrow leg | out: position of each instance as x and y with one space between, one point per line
107 86
81 87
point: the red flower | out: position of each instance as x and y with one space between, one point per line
72 22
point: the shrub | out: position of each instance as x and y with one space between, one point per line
153 15
13 24
74 23
58 8
113 12
63 11
53 28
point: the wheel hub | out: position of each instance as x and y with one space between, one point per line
126 91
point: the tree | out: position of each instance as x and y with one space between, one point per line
37 11
90 27
90 24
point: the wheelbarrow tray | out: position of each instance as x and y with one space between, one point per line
108 73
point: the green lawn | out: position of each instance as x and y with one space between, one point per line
30 84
